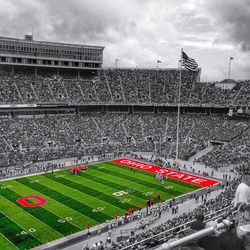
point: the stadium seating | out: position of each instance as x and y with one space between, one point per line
119 86
30 138
163 232
43 137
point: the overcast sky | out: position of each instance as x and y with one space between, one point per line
140 32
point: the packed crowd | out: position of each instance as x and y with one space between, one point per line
119 86
26 139
208 209
231 153
29 139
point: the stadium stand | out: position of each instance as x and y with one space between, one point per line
149 239
24 136
52 134
119 86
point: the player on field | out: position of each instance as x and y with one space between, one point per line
159 196
88 229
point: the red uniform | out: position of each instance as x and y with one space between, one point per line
159 196
88 227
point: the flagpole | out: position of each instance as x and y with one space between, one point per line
116 62
178 115
229 68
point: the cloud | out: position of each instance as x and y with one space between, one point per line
139 32
233 19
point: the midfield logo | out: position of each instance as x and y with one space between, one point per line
24 201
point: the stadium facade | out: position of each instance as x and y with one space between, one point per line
26 52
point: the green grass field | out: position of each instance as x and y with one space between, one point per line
75 201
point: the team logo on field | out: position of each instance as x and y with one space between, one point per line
24 201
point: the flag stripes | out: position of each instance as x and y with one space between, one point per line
189 63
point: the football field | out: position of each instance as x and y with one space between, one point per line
38 209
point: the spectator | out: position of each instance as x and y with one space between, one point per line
229 241
199 223
242 202
192 245
211 241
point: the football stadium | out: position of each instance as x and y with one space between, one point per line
65 203
124 125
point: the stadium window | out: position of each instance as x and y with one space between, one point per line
76 64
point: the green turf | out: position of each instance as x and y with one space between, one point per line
75 201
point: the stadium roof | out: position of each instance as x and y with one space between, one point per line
49 43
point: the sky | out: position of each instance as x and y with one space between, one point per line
140 32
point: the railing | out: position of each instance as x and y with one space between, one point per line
194 236
213 216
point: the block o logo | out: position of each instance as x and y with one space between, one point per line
23 201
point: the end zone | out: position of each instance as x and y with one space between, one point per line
171 173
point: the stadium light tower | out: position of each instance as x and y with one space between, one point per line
229 67
116 62
157 63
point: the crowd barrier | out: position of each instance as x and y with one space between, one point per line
194 236
166 235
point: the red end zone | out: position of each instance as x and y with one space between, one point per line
174 174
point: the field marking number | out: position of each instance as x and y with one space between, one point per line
148 193
30 230
59 176
120 193
5 187
125 201
66 219
34 181
98 209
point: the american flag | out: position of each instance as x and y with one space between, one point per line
189 63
